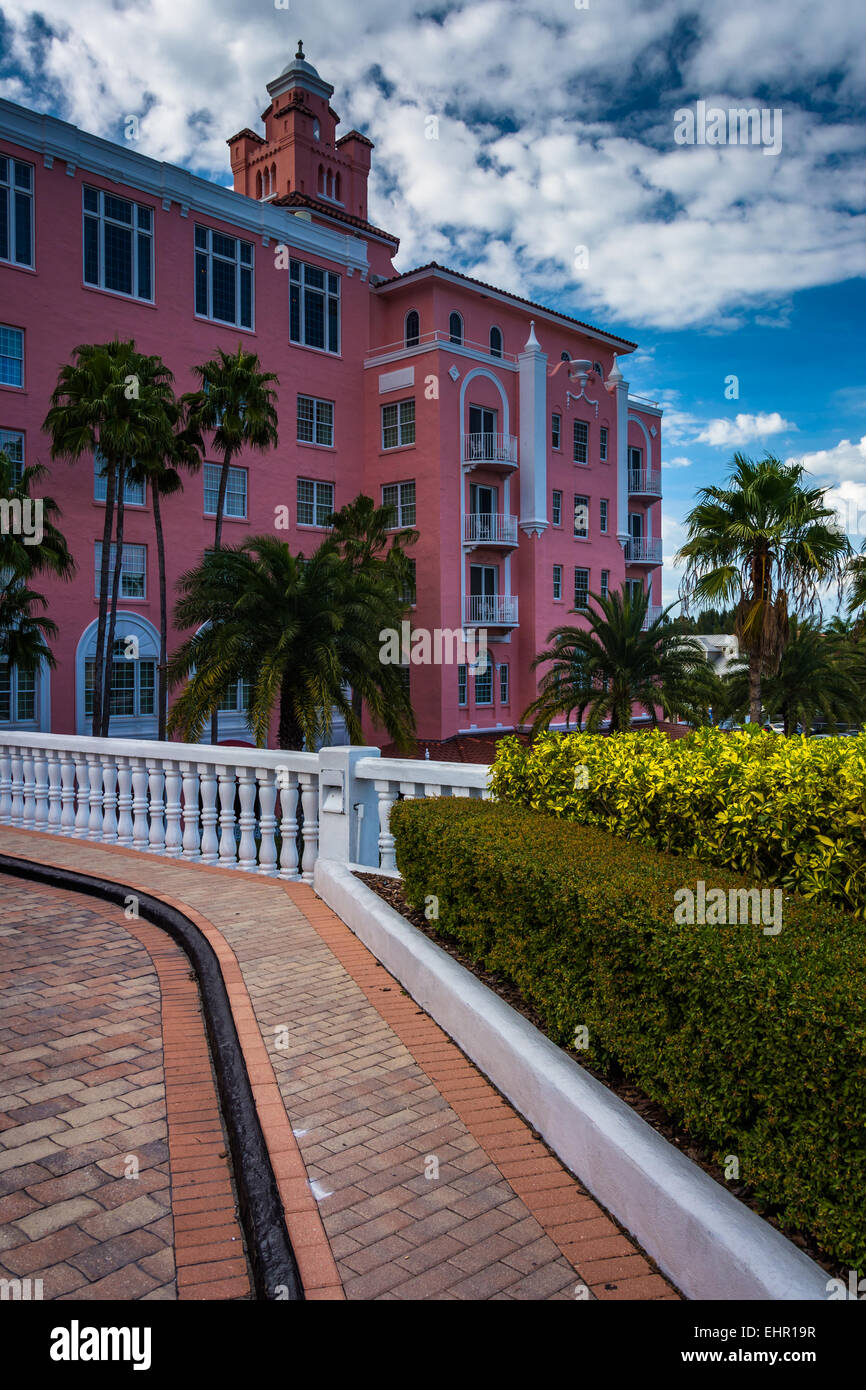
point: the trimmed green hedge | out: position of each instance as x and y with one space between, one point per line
754 1043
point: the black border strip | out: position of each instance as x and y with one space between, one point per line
271 1256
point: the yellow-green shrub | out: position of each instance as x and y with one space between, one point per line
788 809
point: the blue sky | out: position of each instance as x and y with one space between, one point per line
556 129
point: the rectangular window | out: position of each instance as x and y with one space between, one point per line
118 244
581 589
17 695
461 685
603 511
133 570
315 421
602 443
484 684
133 685
557 581
237 701
556 509
236 490
6 693
400 497
16 211
133 493
409 594
12 445
223 278
581 441
11 356
503 684
315 502
605 583
581 516
635 460
398 424
314 307
556 431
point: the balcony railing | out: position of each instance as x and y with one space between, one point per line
653 613
495 610
489 528
489 450
640 551
645 482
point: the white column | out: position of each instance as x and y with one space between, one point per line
156 784
54 796
228 847
387 796
173 810
109 800
40 780
532 369
209 815
310 806
124 802
140 830
247 820
5 787
267 821
289 825
67 795
190 811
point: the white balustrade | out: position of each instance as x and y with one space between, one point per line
191 842
67 796
40 781
5 787
94 819
210 845
267 821
228 846
156 789
109 801
247 820
173 810
28 814
288 823
310 808
140 829
55 797
124 802
82 797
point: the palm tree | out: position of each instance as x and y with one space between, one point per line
298 630
23 632
616 662
820 676
24 557
765 543
856 578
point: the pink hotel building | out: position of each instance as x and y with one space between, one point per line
503 431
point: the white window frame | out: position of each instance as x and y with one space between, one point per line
235 474
605 584
121 662
485 676
140 236
581 442
11 191
11 357
298 284
603 514
602 443
556 430
462 687
579 569
203 245
130 551
557 583
318 508
11 438
405 509
320 422
556 507
134 494
504 684
242 692
17 720
404 423
582 501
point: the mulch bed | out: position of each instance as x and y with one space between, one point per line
391 890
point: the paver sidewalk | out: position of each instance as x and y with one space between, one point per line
404 1175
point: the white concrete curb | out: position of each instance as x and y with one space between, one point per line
708 1243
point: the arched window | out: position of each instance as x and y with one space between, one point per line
455 329
134 679
259 184
413 328
495 342
273 187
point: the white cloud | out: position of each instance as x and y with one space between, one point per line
744 428
676 463
845 463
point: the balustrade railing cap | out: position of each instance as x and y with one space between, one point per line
151 751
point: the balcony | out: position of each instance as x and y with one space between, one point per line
645 482
653 613
495 451
489 528
640 551
490 610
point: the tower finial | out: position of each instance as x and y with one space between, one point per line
300 53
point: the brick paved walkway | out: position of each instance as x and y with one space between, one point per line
96 1202
404 1175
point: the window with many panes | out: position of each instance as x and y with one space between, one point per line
16 211
581 441
556 509
12 445
581 588
315 421
118 244
605 583
503 684
133 493
237 699
484 683
11 356
461 685
17 695
409 592
581 516
602 443
314 307
236 490
556 431
398 424
557 581
603 508
315 502
133 569
400 497
223 278
133 684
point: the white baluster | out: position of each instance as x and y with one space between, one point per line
459 791
289 824
190 811
5 787
156 784
28 814
310 805
267 821
124 802
17 789
67 795
54 801
173 810
247 820
209 815
408 790
228 847
387 797
432 789
82 796
109 800
40 791
139 804
94 820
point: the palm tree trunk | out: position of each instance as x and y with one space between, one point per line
289 733
162 687
112 612
755 688
217 542
99 664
